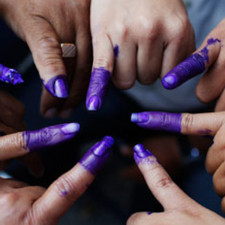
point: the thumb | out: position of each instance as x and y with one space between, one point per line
195 64
45 47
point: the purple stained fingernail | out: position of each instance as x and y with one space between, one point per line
49 136
158 121
116 51
58 86
97 155
99 82
190 67
10 76
140 153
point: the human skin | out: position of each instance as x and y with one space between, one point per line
203 124
136 40
179 209
44 25
35 205
214 77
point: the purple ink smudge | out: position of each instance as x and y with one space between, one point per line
99 82
205 132
97 155
190 67
149 213
116 51
10 76
158 121
49 136
141 154
57 86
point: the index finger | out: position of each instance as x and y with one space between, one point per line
186 123
70 186
195 64
158 180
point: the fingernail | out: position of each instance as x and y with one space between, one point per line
50 113
170 81
66 113
97 155
139 117
49 136
58 86
70 128
141 152
93 103
10 76
106 143
97 89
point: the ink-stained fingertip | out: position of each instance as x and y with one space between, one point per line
170 81
139 117
93 103
11 76
141 152
70 128
104 145
57 86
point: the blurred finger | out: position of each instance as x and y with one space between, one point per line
12 103
21 143
147 218
101 72
195 64
70 186
219 180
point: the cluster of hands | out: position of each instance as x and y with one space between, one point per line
131 40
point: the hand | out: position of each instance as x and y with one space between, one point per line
210 124
33 205
135 39
179 208
44 25
211 57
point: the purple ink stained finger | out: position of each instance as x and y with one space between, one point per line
99 82
190 67
158 121
49 136
10 76
141 154
97 155
57 86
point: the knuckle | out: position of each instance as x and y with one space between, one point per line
164 182
64 186
10 198
18 140
103 62
180 28
122 31
187 122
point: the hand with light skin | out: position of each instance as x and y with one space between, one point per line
44 25
179 209
203 124
208 58
35 205
135 40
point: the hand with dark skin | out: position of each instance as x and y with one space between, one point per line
44 25
179 209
